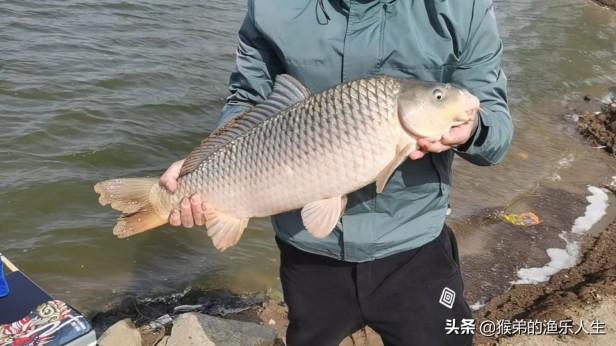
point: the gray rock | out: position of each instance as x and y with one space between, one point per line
187 331
608 102
161 322
123 333
363 337
187 308
194 329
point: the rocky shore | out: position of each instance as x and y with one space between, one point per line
196 317
192 317
586 292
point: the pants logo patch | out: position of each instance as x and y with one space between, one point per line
447 297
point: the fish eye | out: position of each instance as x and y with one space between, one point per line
438 94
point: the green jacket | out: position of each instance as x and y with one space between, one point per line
453 41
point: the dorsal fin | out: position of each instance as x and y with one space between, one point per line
287 92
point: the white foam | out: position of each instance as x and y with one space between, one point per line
566 161
594 211
559 259
566 258
478 305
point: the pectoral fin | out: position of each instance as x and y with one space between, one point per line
225 230
383 177
320 217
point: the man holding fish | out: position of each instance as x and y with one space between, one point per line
379 254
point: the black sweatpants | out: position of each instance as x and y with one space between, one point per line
406 297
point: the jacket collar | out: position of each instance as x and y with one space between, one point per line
347 3
344 6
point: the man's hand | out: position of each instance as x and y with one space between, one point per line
192 210
456 136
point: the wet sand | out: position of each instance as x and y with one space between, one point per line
586 291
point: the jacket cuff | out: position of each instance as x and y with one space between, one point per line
477 138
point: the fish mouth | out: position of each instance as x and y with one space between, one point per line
470 107
461 119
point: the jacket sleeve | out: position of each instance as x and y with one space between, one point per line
479 70
256 66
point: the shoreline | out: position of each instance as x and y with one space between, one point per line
586 291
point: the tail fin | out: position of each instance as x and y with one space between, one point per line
134 197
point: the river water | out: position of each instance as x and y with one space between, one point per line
96 89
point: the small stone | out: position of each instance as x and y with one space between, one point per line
187 308
123 333
161 322
364 336
601 117
275 295
194 329
187 331
586 98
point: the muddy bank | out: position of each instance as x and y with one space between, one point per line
599 127
607 3
586 291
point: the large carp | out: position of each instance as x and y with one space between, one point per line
296 150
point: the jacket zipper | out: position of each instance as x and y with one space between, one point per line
382 36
